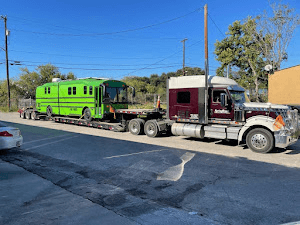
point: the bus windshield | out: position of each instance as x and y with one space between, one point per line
115 95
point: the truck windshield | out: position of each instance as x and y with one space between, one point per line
115 95
238 97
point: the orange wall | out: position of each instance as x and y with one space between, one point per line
284 86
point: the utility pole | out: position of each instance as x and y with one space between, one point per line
183 60
206 64
6 33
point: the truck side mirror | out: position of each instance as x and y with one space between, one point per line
223 100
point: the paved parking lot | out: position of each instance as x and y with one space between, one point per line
145 181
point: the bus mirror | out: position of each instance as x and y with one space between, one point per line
133 92
223 97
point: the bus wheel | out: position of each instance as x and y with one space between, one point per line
87 114
49 111
136 126
151 128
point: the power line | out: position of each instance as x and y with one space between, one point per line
216 25
111 33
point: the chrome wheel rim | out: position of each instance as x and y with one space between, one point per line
259 141
151 129
134 127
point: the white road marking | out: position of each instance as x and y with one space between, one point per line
48 143
44 139
117 156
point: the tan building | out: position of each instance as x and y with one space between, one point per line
284 86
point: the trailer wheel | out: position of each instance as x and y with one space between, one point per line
136 126
23 115
87 114
28 115
260 140
33 115
151 128
49 111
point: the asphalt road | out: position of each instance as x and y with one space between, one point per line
151 181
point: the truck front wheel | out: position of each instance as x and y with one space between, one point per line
260 140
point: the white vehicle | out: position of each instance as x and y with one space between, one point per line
10 137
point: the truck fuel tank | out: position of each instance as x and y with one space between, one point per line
186 129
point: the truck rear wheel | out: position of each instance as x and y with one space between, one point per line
136 126
260 140
151 128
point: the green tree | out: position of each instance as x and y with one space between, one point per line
240 50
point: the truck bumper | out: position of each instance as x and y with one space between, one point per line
282 141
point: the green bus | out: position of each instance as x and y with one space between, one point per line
90 98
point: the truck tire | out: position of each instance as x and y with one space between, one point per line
260 140
136 126
151 128
49 111
28 115
87 115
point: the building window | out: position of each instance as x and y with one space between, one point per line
85 90
184 97
48 90
69 91
91 90
74 90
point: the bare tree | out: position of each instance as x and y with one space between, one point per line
274 33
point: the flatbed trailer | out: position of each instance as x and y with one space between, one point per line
132 120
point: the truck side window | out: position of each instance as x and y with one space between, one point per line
216 95
74 90
91 90
184 97
85 90
69 91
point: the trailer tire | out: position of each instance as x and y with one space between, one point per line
87 115
28 115
49 111
33 115
260 140
151 128
136 126
23 115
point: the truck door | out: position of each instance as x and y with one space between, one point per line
217 111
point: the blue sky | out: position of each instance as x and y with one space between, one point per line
117 38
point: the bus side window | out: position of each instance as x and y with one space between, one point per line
48 90
74 90
45 90
91 90
69 91
85 90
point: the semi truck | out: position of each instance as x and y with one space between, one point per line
197 106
